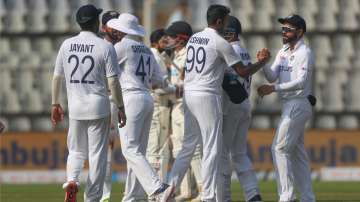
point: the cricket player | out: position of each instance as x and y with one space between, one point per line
86 61
178 34
292 69
208 54
236 122
138 72
110 36
158 146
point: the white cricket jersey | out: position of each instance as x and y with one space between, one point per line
208 54
159 60
86 60
293 71
137 64
179 60
246 60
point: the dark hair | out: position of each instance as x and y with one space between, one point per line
180 29
156 35
216 12
88 26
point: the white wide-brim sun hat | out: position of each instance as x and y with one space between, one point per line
128 24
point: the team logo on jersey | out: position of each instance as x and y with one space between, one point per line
292 58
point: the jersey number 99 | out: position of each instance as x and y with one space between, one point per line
197 56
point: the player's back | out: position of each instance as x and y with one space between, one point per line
205 62
84 60
138 67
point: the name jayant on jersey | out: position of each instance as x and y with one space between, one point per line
141 49
199 40
85 48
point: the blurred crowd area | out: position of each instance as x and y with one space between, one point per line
32 31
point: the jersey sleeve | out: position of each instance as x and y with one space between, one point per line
110 62
157 76
272 72
59 67
120 50
226 51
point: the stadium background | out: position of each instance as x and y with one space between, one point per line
33 151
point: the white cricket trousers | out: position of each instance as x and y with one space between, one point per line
203 120
177 136
158 152
108 177
113 136
134 139
289 156
236 122
88 139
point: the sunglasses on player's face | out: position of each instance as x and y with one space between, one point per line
288 29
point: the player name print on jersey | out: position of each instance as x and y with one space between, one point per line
141 49
85 48
199 40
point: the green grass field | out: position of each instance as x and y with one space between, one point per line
325 191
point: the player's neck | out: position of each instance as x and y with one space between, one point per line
109 39
292 44
214 27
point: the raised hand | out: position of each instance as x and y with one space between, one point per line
263 55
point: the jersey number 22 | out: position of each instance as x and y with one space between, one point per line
83 79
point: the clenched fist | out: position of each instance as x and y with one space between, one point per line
263 55
57 114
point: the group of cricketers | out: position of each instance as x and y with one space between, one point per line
189 92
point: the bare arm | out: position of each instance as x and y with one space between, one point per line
263 57
246 71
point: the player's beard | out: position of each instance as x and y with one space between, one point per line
114 37
287 40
